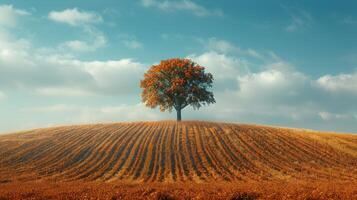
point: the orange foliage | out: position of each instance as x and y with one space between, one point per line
176 83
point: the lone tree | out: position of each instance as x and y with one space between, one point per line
177 83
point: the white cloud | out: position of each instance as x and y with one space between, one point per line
220 45
253 53
75 17
110 77
9 15
62 91
181 5
276 91
52 108
79 45
273 93
326 116
223 67
75 114
117 75
299 21
122 112
339 83
225 47
25 67
270 83
12 50
96 40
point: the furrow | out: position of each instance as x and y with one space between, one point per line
233 143
210 156
224 150
193 155
153 156
128 135
145 156
61 153
182 168
113 154
136 152
124 158
96 145
91 173
163 157
175 169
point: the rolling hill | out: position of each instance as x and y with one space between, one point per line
170 152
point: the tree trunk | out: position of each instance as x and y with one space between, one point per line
178 111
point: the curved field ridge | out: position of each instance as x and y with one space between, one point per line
177 152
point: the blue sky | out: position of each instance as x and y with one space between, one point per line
284 63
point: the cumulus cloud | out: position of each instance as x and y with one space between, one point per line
275 92
11 49
74 114
242 90
115 75
78 78
271 90
270 83
23 66
222 46
85 20
9 15
181 5
339 83
96 40
222 66
225 47
75 17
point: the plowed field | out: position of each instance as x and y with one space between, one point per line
167 152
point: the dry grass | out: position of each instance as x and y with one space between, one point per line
177 160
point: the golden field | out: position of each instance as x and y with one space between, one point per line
170 160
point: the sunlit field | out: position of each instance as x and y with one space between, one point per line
177 160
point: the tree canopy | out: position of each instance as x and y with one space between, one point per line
177 83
